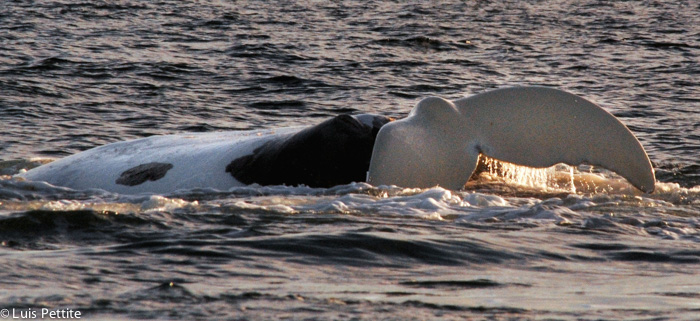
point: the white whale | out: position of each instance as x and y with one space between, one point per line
437 144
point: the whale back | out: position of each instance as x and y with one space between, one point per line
334 152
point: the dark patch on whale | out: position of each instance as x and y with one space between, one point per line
334 152
144 172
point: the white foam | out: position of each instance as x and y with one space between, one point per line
672 206
248 206
160 203
485 200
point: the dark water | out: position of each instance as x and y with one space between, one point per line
75 75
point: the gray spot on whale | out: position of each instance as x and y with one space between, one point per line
144 172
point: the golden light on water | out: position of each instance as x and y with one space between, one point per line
558 178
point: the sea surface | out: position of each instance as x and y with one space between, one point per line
514 244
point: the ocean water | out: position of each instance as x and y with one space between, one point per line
514 244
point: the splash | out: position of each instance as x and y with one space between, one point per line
560 178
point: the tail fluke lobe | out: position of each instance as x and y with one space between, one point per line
540 127
425 149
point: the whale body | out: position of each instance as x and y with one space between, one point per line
334 152
438 144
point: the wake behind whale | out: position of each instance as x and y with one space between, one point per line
438 144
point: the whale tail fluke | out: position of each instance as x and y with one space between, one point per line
440 141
